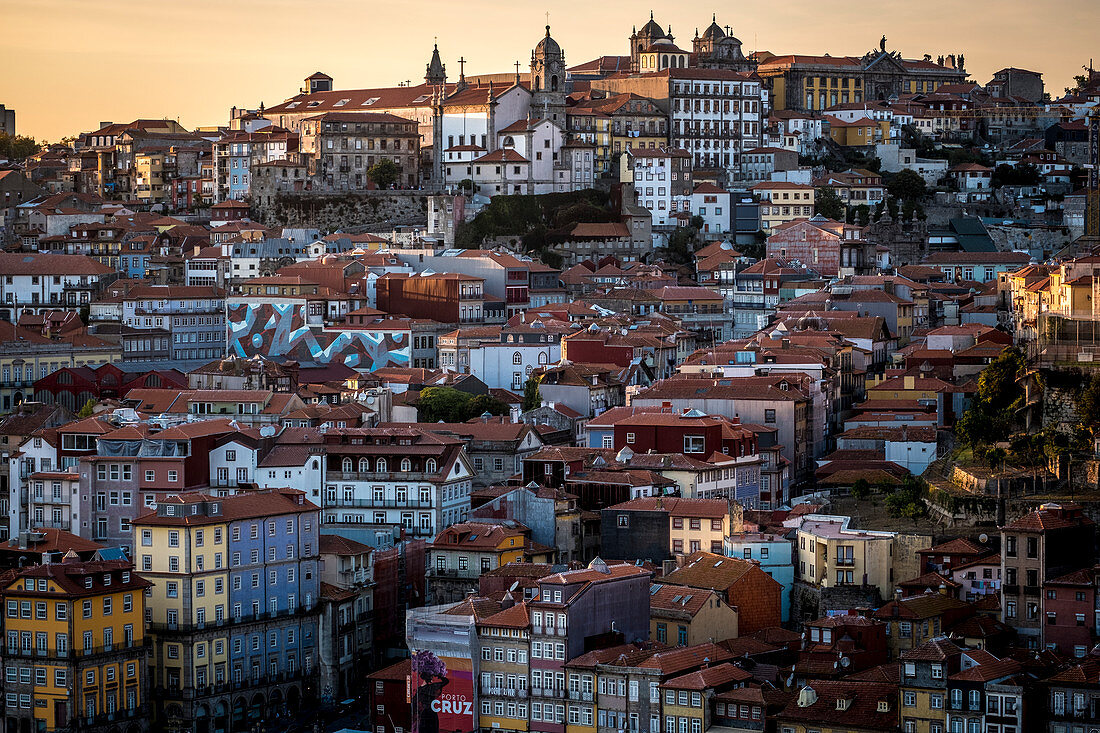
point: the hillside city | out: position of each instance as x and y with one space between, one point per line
679 390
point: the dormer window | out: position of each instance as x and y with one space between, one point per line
106 579
883 706
125 576
88 582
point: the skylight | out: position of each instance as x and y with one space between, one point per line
292 105
341 103
370 101
421 98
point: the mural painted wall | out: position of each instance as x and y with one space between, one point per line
279 330
443 694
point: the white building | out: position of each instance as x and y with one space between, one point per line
36 282
662 182
712 204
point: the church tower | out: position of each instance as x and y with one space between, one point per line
548 81
437 72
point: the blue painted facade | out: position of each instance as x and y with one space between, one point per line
274 572
774 555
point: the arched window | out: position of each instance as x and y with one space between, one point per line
406 465
664 61
536 84
380 466
517 358
509 142
543 358
430 466
554 83
346 465
364 465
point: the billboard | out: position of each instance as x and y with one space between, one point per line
442 694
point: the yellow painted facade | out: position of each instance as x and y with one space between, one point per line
75 642
150 177
190 573
830 555
822 92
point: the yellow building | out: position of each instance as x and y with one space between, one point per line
859 132
830 554
75 651
907 388
504 639
149 181
685 616
781 202
618 123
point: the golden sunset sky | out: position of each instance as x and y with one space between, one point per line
69 64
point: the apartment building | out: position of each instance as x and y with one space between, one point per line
343 146
193 317
76 648
831 558
234 605
1036 548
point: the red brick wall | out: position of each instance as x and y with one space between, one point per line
758 599
789 245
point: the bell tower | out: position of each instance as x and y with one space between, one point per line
548 81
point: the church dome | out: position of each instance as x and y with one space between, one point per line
652 29
548 46
714 31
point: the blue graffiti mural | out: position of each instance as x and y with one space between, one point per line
279 330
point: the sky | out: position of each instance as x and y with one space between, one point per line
70 64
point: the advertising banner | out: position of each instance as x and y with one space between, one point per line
442 694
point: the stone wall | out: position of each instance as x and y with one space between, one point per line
905 240
810 602
1060 406
1029 239
352 211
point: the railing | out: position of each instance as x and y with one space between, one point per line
104 718
36 653
188 627
377 504
379 476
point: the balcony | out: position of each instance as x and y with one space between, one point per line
409 476
1010 590
377 504
1032 590
112 717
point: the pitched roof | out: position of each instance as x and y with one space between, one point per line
708 570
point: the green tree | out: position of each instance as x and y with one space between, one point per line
989 418
1088 403
681 245
482 403
907 185
88 410
827 203
863 215
531 396
466 185
17 147
384 173
1024 174
861 489
697 223
443 403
